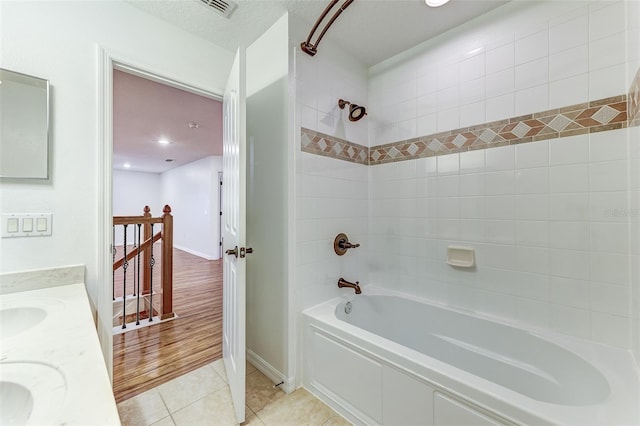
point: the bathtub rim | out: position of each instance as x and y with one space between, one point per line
506 403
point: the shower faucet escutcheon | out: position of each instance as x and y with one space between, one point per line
344 283
341 244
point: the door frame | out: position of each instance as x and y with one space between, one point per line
107 61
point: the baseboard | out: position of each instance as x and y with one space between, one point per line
288 384
196 253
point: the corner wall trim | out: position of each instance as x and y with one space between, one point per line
271 372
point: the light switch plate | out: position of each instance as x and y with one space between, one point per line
16 225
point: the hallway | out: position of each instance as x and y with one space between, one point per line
150 356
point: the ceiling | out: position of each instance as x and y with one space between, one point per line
145 111
370 30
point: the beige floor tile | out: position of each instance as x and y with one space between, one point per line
260 391
250 368
167 421
298 408
337 420
143 409
214 409
253 420
190 387
218 366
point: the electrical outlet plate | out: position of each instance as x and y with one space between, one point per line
15 225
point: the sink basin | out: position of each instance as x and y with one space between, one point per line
17 403
30 393
14 321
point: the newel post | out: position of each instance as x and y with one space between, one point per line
167 263
146 275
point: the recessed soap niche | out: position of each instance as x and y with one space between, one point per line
461 256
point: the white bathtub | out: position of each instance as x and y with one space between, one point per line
394 360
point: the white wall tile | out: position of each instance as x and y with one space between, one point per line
532 181
570 292
472 91
448 76
571 150
571 178
448 186
608 206
426 84
500 183
569 34
608 176
607 51
447 98
472 161
607 20
426 125
472 185
472 68
448 164
607 82
569 91
533 154
610 298
532 233
500 207
501 107
606 146
610 268
501 158
569 235
500 83
500 58
448 119
473 207
532 74
500 231
534 260
570 264
426 105
472 114
533 207
533 99
532 47
569 63
610 237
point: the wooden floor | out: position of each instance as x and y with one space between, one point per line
147 357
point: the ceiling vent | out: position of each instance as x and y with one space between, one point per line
223 7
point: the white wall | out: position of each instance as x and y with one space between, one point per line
192 191
551 250
58 41
131 192
633 70
267 202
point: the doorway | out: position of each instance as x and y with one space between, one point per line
139 361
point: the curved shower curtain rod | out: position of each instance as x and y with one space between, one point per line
312 49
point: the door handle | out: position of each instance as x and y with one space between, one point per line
233 251
245 251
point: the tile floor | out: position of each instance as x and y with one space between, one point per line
202 397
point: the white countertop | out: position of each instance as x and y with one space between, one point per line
65 341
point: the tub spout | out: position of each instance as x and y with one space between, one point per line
344 283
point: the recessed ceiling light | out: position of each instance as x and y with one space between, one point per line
126 165
435 3
163 142
193 125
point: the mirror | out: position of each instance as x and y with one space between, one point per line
24 126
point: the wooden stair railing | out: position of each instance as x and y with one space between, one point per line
166 235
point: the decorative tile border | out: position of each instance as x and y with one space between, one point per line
329 146
590 117
633 101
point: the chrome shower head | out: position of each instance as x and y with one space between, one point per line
356 112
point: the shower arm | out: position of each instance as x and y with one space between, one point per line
312 49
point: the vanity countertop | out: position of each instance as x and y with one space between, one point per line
60 345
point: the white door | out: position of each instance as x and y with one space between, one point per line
234 220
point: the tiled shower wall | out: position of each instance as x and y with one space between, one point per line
331 195
549 220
